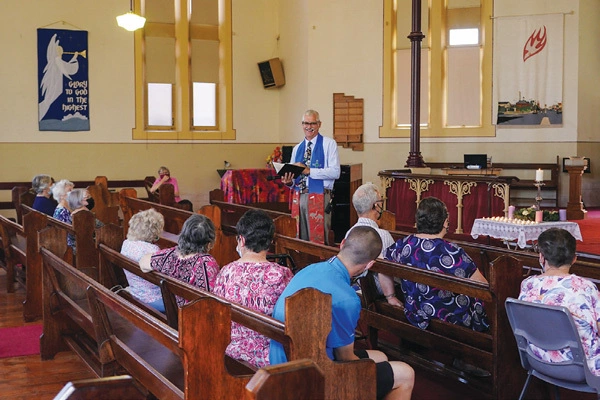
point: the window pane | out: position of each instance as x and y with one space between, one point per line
160 104
205 61
464 87
404 23
403 87
205 103
461 37
205 12
159 11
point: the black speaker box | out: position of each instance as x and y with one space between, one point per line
271 72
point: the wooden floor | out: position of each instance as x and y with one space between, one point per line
29 377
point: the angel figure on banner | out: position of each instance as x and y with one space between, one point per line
52 82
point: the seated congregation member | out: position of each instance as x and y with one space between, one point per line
428 250
395 379
59 192
189 261
76 201
144 229
254 282
42 186
164 176
368 204
557 287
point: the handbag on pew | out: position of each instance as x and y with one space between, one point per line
283 259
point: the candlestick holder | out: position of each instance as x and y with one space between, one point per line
538 197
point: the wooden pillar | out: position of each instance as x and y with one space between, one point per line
575 208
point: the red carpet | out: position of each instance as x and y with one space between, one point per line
20 341
590 231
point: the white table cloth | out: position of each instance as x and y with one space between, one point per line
520 232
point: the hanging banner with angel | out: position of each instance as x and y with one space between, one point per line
63 85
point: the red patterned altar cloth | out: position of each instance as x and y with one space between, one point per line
467 197
247 186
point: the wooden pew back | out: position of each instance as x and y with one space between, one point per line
493 350
303 335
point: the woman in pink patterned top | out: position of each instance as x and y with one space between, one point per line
144 229
557 287
189 261
254 282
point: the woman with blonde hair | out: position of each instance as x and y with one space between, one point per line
144 230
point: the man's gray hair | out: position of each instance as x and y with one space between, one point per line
365 197
313 113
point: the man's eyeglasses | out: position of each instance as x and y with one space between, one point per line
310 123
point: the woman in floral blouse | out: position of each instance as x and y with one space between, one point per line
557 287
254 282
189 261
427 249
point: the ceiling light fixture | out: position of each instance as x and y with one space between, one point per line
131 21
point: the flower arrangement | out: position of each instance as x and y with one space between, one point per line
276 156
528 214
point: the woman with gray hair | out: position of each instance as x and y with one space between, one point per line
75 200
427 249
41 185
59 191
189 261
144 230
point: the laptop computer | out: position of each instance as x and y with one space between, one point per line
475 161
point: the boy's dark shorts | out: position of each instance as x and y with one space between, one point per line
385 374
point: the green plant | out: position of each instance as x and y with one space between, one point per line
528 214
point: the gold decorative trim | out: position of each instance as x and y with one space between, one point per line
460 189
502 190
386 183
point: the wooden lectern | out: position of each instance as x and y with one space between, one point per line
575 208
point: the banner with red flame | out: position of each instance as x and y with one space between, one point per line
528 70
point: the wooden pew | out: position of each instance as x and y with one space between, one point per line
586 265
174 220
296 380
231 213
20 244
225 243
114 387
106 203
22 195
24 187
161 358
493 351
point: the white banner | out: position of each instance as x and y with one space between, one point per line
528 70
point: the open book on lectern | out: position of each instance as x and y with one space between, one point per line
283 169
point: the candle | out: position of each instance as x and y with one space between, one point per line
511 212
539 216
562 214
539 175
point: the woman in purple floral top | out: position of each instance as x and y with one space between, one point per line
428 250
144 229
254 282
189 261
557 287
